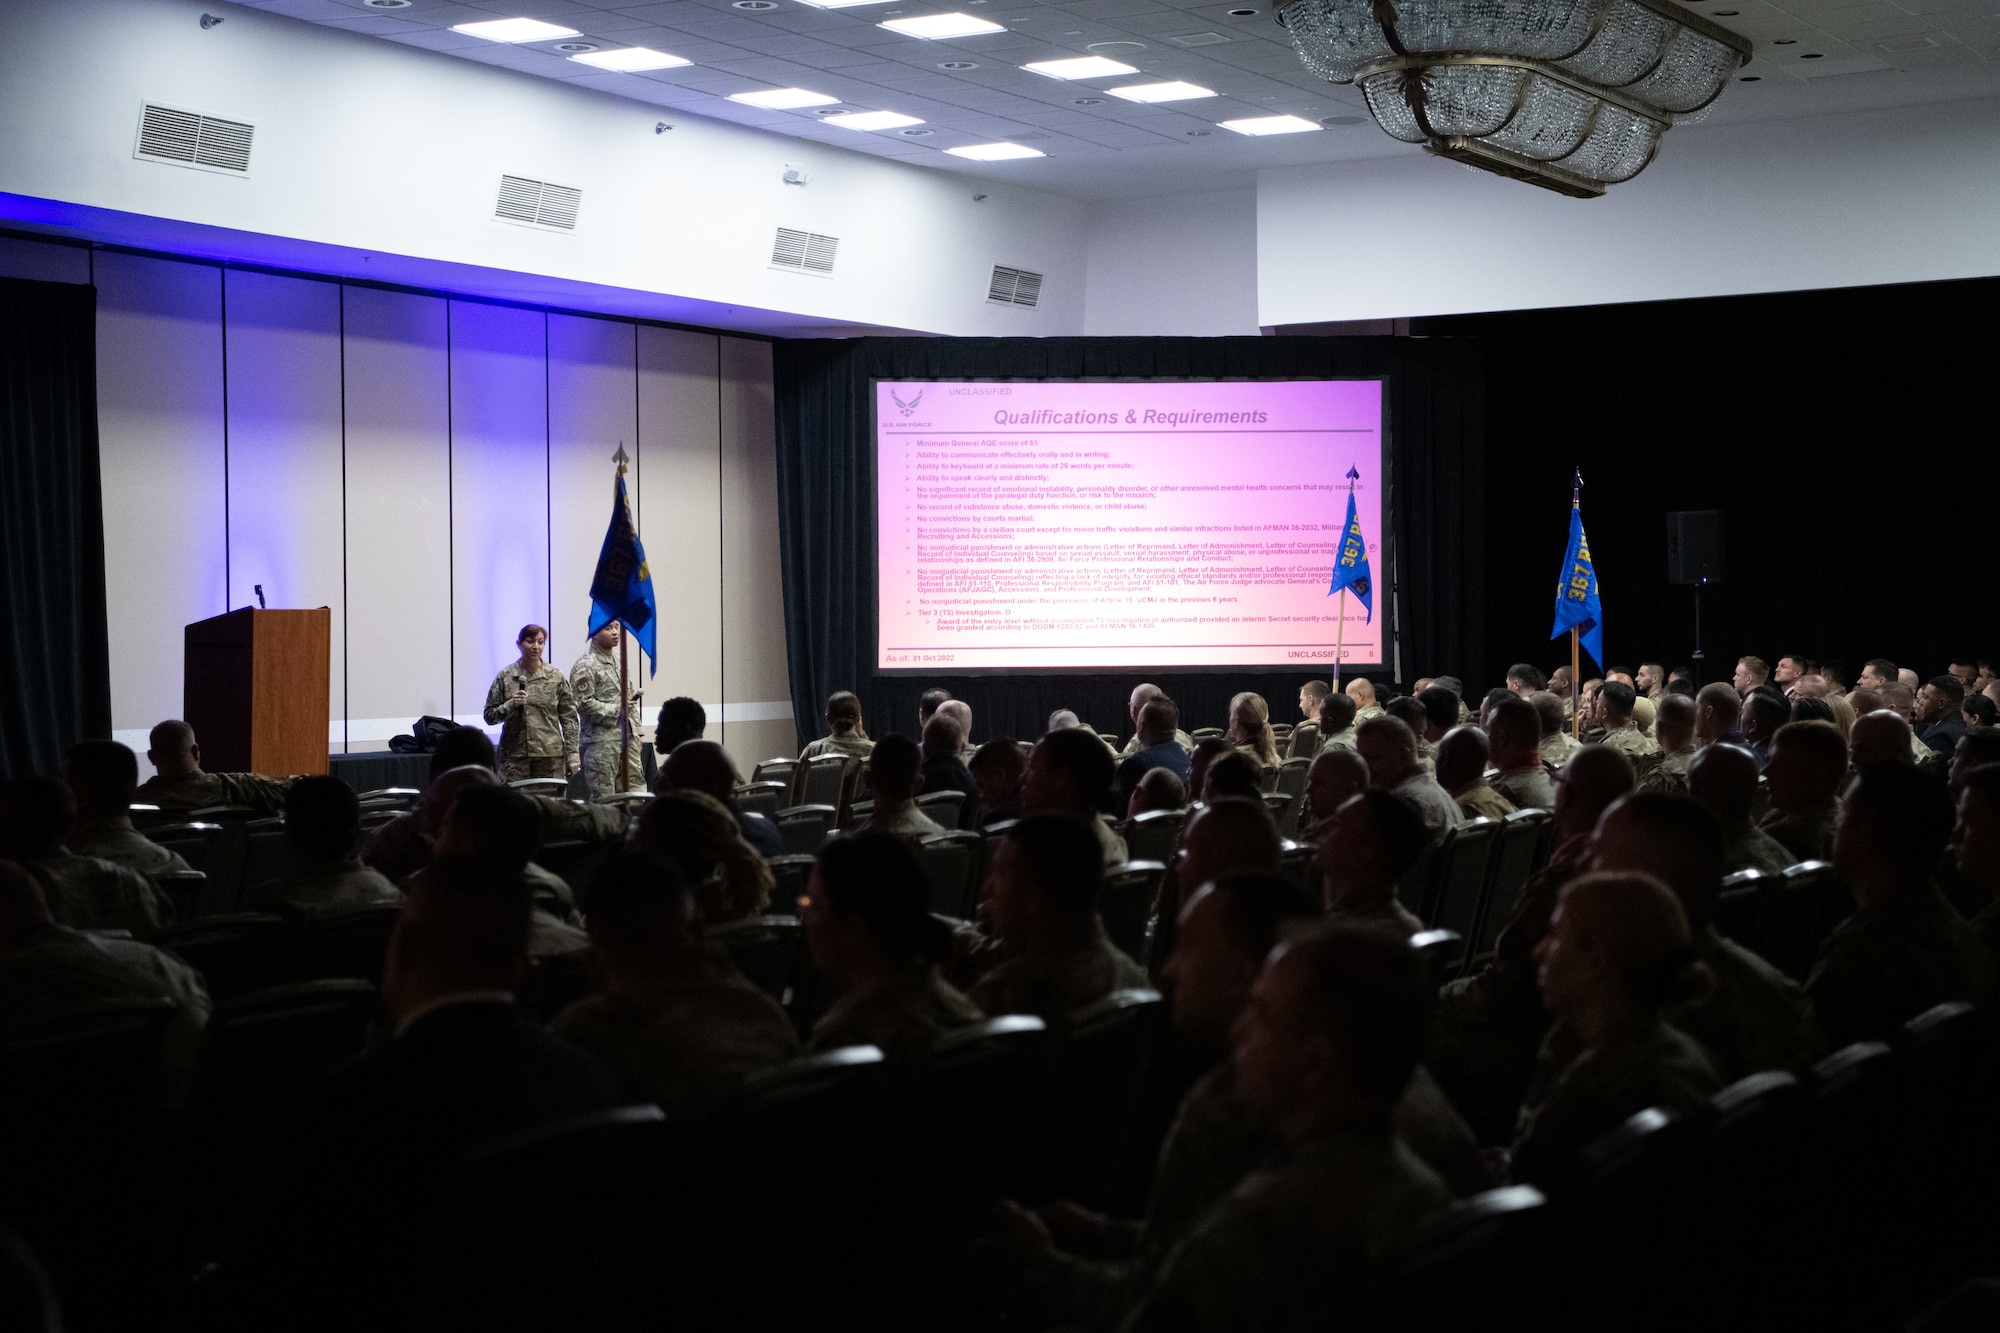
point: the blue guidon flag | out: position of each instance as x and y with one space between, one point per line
622 589
1350 570
1577 605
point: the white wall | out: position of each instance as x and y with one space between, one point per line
1185 265
1904 195
370 146
437 472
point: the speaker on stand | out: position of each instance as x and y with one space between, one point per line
1694 558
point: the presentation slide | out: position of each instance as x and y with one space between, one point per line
1051 524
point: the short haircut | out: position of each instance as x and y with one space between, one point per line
1770 710
1160 716
1235 774
1368 992
40 812
1257 904
1528 675
170 737
682 718
1251 838
1881 666
1409 712
1981 709
1819 741
1676 710
1864 701
1085 758
1061 855
1164 789
1657 666
1834 670
1951 687
1756 665
1400 827
1548 711
928 701
1811 710
942 736
1517 719
1911 814
1063 719
1452 683
1687 847
1336 713
1440 707
323 818
843 706
105 772
1984 779
467 917
462 747
894 762
877 878
1680 685
500 821
1617 697
1316 690
999 754
1721 696
529 632
632 887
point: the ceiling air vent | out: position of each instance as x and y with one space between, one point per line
804 251
1014 286
536 203
191 139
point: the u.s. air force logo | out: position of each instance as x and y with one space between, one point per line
907 408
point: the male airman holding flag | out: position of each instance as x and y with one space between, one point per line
621 597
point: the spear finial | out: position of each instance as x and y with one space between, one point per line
1576 490
620 457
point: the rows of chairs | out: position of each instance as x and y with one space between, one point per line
1783 917
242 952
1469 880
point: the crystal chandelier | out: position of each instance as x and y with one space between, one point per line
1570 95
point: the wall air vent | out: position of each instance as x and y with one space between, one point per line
534 203
804 251
190 139
1014 286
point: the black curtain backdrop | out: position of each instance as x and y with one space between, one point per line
826 507
1839 432
55 681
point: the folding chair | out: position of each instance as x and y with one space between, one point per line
1513 865
825 780
792 873
263 855
1154 835
1127 901
804 828
764 948
784 772
1461 883
954 862
235 952
1096 1076
1807 902
541 786
763 798
943 807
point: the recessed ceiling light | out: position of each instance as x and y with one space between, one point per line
1810 55
932 27
1784 41
754 6
514 30
631 59
567 47
839 4
958 64
918 134
1199 134
1080 67
783 99
995 152
387 4
1727 13
1331 121
1161 92
1242 13
1088 101
1262 125
1116 50
873 120
1751 78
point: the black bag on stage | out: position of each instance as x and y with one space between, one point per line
427 732
405 745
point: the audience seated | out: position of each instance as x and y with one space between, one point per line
998 767
1618 954
1461 770
1904 949
1616 700
1525 679
1938 713
1673 732
705 766
1336 722
1764 711
1440 713
333 1235
1880 736
1804 774
322 873
103 776
1250 728
1755 1017
1234 774
1135 708
942 768
1303 743
676 1019
1723 779
1231 835
1155 746
684 719
1336 774
1362 691
178 784
1156 789
959 711
1976 847
1042 886
1323 1054
1406 710
892 778
700 837
1716 711
844 734
928 703
81 891
872 936
1558 747
1390 750
1515 733
1976 749
1367 848
1070 773
488 822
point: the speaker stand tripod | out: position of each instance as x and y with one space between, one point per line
1699 585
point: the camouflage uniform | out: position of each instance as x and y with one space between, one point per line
689 1038
1807 835
1576 1102
197 790
1756 1018
904 1014
1888 963
1559 749
1480 801
1670 775
317 890
1115 852
903 820
594 682
1628 740
537 740
1340 740
1528 788
1440 812
1297 1245
1056 983
1384 913
399 848
1747 847
847 746
89 894
1181 738
115 840
564 820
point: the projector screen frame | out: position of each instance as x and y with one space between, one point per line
1387 595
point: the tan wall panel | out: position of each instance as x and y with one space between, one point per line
398 504
750 743
285 467
499 493
679 512
159 413
592 410
754 670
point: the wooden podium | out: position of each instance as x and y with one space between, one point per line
256 690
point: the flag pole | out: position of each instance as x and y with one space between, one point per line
1339 638
624 684
1575 657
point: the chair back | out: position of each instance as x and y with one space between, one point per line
944 807
236 952
1154 835
764 798
1462 880
1203 733
1295 863
1284 810
960 1126
784 772
574 861
183 890
1096 1076
1441 950
1807 902
390 798
803 828
558 787
1482 1250
1515 860
213 847
792 872
351 943
764 948
1292 781
858 814
192 842
263 854
809 1138
64 1080
1267 779
954 863
1127 902
1744 910
825 781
